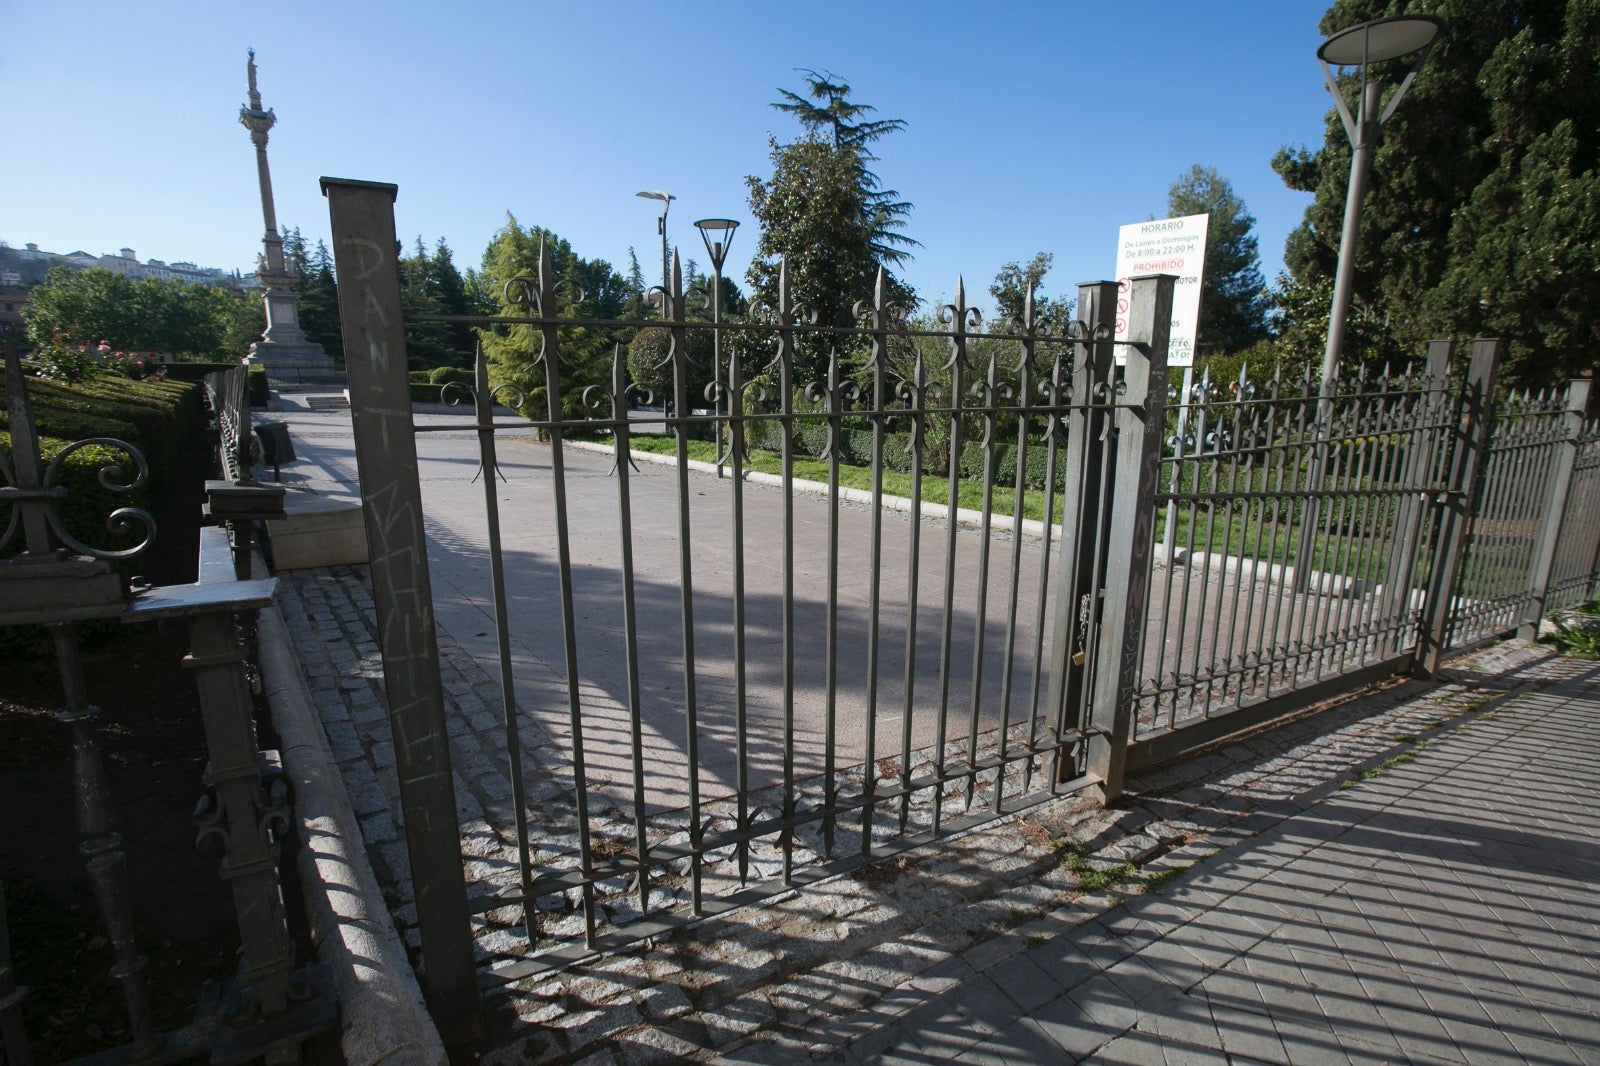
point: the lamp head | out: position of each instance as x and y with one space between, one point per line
718 235
1380 39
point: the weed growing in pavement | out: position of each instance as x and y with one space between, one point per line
1090 878
1578 631
1158 880
1388 764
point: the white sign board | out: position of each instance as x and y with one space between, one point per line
1165 246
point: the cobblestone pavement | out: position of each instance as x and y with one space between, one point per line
1240 906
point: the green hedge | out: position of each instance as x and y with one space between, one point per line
154 416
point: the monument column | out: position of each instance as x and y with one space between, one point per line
284 349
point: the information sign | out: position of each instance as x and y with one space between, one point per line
1165 246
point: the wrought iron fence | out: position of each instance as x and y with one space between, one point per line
1530 545
1192 571
953 649
1291 548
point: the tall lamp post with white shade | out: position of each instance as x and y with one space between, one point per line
666 199
1361 46
1358 46
718 235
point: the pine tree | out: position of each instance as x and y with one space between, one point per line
1233 295
586 352
823 214
318 295
1481 215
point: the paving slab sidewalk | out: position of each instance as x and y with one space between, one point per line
1239 906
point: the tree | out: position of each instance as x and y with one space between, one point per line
318 295
1233 295
835 121
244 325
451 291
637 306
82 308
823 214
585 288
1481 214
1010 290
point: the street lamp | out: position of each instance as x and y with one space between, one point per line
1361 46
666 199
718 235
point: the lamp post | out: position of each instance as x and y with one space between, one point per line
1359 46
718 236
666 199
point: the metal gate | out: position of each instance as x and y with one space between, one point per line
841 675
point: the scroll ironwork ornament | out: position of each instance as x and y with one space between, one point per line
35 495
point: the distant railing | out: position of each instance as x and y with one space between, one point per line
238 501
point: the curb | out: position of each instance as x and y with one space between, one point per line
381 1010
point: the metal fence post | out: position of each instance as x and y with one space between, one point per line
1138 403
1555 510
1078 583
366 259
1395 599
1471 446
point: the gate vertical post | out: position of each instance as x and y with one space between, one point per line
1395 599
371 323
1138 405
1079 571
1471 446
1555 509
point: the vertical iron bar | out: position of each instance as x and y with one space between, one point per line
736 457
673 310
1055 426
957 367
488 462
621 435
101 844
550 355
372 325
1256 640
1310 438
830 732
786 357
919 419
1187 659
1139 407
1019 490
1238 510
1204 658
981 604
880 405
1279 626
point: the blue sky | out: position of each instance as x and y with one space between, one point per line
1031 126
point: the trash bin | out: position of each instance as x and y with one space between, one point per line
276 448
